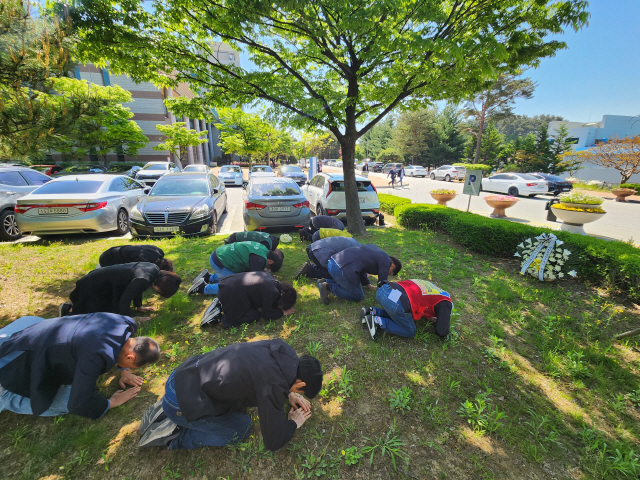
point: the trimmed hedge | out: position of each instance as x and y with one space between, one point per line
486 169
612 264
635 186
388 203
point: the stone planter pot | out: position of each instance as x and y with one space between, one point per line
573 221
499 207
621 195
579 205
443 198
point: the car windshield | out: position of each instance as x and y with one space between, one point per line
362 186
524 176
154 167
195 168
280 189
43 168
551 178
69 186
230 169
180 187
291 169
261 168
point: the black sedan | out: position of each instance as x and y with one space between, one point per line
557 185
293 172
184 203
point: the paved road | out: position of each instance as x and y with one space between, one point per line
622 221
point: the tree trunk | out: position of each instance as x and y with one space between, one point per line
478 142
355 224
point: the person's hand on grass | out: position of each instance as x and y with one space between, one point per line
372 287
122 396
298 401
147 309
128 378
299 416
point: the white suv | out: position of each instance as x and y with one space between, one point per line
448 173
325 193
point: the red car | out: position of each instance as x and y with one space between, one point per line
47 169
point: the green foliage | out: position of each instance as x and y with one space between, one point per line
635 186
390 155
614 265
399 399
516 126
480 414
388 444
388 203
486 169
178 139
352 456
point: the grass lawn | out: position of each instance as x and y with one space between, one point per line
529 384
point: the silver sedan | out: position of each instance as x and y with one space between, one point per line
80 204
274 202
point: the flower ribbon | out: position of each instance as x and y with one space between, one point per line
548 240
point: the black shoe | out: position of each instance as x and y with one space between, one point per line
373 328
64 309
364 311
197 287
213 314
324 292
203 274
302 270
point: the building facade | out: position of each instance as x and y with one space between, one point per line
585 135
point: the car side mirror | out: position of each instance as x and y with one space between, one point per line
215 191
307 182
244 185
146 191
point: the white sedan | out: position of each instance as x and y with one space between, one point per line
230 175
515 184
415 171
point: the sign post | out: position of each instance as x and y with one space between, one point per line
472 183
313 167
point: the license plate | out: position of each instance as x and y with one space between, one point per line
279 209
166 229
566 189
52 211
363 200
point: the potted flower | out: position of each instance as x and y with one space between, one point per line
574 218
622 193
442 195
580 200
499 203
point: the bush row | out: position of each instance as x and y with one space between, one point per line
486 169
388 203
635 186
611 264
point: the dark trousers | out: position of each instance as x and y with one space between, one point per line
315 269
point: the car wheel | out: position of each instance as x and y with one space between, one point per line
433 176
226 205
513 191
320 210
214 224
447 178
122 222
10 230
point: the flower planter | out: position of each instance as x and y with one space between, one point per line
578 205
573 221
443 198
499 207
622 194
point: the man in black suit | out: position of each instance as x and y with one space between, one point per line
50 367
208 394
135 253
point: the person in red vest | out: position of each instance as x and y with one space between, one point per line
404 303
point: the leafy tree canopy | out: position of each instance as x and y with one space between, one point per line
178 139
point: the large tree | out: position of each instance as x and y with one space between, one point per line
178 139
326 64
621 154
495 102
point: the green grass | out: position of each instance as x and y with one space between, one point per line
529 381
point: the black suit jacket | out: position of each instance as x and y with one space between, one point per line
112 289
232 378
74 351
242 294
130 253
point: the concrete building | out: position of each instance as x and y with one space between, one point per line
149 110
585 135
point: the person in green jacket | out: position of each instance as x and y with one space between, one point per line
269 241
233 258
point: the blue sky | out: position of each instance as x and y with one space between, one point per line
598 73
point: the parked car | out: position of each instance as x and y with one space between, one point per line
123 169
376 166
152 171
338 164
274 203
15 182
325 193
415 171
46 169
190 203
448 173
231 175
556 184
515 184
80 204
81 170
293 172
196 168
261 171
387 168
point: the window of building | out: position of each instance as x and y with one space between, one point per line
232 56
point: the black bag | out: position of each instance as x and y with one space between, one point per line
380 219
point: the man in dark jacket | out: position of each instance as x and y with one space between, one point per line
318 222
135 253
349 269
50 367
242 294
112 289
319 254
236 257
404 303
269 241
208 394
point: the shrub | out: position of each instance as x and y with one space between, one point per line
635 186
612 264
486 169
580 197
388 202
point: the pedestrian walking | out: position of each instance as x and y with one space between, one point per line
392 174
401 174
